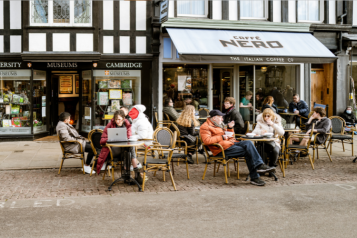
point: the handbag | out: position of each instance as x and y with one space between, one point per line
190 138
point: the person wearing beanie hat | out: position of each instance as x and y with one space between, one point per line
213 131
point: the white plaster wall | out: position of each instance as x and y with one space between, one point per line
141 45
15 14
84 42
277 11
354 13
108 44
1 44
1 14
171 8
233 10
332 11
60 41
140 15
124 15
108 15
292 10
15 44
37 41
124 47
217 10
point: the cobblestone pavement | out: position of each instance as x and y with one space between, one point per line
46 183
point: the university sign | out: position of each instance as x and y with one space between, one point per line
10 64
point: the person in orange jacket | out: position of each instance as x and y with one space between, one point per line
212 131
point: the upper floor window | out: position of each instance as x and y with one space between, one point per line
197 8
253 9
310 10
61 12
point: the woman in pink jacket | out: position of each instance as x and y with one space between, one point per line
117 122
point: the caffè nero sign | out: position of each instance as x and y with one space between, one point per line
250 42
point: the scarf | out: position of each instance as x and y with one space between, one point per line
217 125
229 110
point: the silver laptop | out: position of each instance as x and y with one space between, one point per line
117 135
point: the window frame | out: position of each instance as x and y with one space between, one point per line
321 13
255 18
193 15
50 16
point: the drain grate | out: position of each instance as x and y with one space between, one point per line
18 151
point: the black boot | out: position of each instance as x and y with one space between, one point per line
189 159
138 177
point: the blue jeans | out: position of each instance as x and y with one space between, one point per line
246 149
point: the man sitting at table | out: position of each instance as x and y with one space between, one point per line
300 108
212 131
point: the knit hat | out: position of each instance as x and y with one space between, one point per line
134 113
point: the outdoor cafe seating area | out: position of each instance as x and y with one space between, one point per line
168 150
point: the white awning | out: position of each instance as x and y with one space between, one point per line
252 46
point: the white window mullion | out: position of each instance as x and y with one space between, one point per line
71 12
50 13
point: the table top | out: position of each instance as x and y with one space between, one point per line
126 144
291 130
287 113
260 139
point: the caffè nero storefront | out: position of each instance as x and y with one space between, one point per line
209 65
33 94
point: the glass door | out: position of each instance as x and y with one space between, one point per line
86 99
39 101
246 85
222 87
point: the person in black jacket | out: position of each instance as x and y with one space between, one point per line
269 103
300 108
348 116
186 123
232 114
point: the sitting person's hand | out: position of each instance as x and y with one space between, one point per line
308 132
225 137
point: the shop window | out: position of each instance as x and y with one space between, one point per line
39 102
15 102
189 81
113 89
61 12
192 8
253 9
310 10
167 48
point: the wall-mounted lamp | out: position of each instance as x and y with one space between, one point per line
179 69
264 69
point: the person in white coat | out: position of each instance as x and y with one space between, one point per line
141 127
270 122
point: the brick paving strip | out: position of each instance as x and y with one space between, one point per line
46 183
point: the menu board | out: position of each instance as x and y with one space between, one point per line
66 84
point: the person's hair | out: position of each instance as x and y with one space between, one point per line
268 100
231 100
124 107
167 101
187 116
271 113
64 115
119 113
248 93
349 107
296 94
320 111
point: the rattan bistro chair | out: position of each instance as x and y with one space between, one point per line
302 125
315 146
94 137
164 123
70 155
164 139
163 165
338 133
245 129
290 149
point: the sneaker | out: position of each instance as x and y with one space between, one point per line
138 164
103 167
257 181
263 168
88 169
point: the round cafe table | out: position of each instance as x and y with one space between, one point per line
127 161
260 148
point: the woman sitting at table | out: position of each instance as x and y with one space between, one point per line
270 122
170 110
186 123
322 126
269 103
118 121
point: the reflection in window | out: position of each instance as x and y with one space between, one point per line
61 12
39 11
82 11
252 9
308 10
191 7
